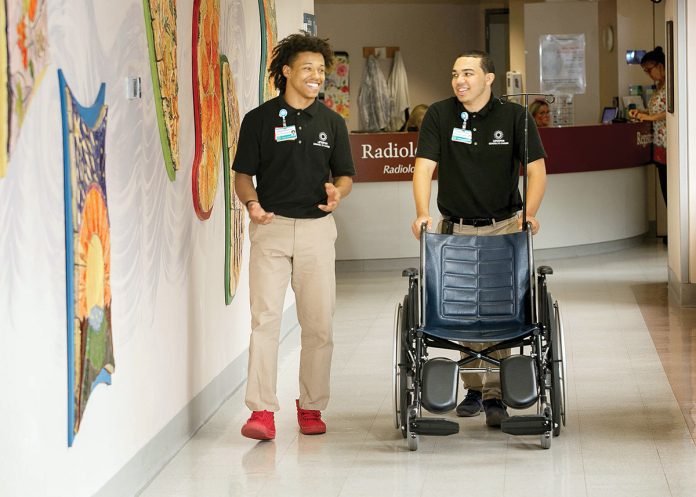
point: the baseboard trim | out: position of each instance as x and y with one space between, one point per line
684 294
367 265
139 471
588 249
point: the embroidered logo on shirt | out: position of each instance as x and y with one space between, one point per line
322 140
498 139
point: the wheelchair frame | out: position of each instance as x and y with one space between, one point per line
545 342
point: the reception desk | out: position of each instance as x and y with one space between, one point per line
595 194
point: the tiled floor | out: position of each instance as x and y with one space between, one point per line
626 433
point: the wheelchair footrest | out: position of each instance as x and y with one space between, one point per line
434 426
528 424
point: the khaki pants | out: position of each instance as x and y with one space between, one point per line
299 251
487 383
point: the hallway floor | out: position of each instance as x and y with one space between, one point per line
631 406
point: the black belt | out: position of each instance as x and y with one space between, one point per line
476 221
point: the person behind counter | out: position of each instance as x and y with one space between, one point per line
415 119
540 111
653 63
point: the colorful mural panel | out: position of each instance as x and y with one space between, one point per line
269 36
337 85
24 48
160 25
207 108
87 251
234 211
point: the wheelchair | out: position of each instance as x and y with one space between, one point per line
479 289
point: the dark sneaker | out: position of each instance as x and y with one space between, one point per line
471 405
310 421
260 426
496 411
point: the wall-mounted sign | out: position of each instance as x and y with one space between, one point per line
384 156
562 64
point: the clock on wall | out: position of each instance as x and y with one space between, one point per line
608 38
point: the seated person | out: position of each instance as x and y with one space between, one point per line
415 118
539 109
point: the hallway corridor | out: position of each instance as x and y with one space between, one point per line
631 406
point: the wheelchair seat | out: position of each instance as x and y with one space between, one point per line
476 288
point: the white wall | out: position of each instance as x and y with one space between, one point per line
565 18
430 37
172 332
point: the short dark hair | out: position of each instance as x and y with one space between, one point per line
486 61
657 56
285 53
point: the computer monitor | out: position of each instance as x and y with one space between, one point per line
609 114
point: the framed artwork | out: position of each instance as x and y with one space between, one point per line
337 85
24 56
234 210
669 42
207 107
160 26
269 36
87 251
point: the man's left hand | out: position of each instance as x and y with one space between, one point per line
532 220
333 197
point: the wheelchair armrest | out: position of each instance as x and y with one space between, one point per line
544 270
410 272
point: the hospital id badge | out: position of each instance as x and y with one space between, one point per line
462 135
285 133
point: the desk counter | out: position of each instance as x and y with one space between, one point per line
596 191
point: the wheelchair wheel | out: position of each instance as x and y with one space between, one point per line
558 370
402 393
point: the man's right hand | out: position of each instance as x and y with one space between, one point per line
416 226
258 215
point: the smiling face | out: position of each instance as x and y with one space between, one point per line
471 85
305 76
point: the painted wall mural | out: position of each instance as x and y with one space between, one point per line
87 251
160 26
234 211
269 36
24 52
207 108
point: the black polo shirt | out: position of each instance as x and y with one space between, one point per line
478 180
290 175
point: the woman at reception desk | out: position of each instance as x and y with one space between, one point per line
595 197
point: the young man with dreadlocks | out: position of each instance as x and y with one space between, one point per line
299 152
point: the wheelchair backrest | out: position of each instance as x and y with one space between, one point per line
475 282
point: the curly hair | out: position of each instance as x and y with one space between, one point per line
285 53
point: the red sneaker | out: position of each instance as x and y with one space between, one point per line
260 426
310 421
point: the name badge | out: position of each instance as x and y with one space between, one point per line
462 135
285 133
